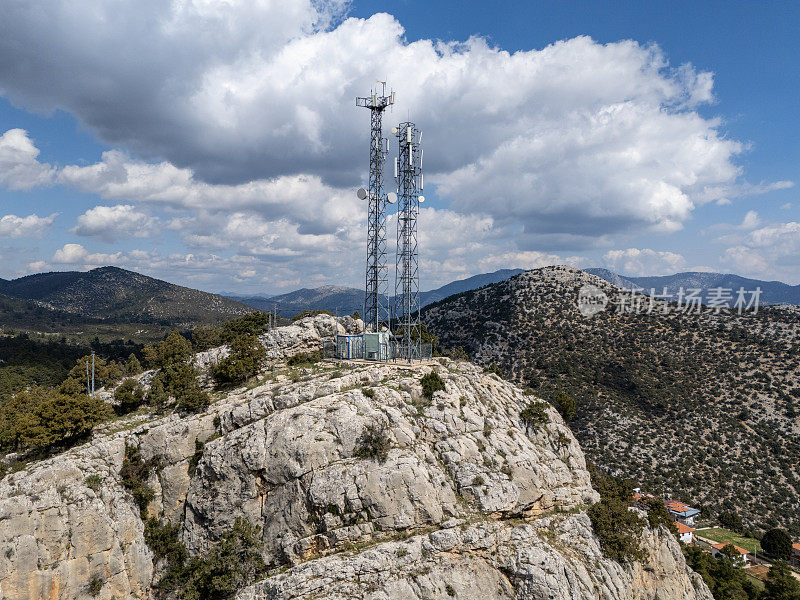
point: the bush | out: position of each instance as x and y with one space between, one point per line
657 514
731 520
494 368
431 383
723 577
311 313
373 443
39 419
95 585
134 473
133 366
565 404
618 529
777 543
235 562
174 349
304 358
128 396
780 584
246 357
93 482
534 414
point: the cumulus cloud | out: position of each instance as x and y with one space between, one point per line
109 223
644 261
772 250
594 138
12 226
20 168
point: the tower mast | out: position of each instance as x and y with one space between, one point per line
376 307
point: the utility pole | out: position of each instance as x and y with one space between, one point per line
92 374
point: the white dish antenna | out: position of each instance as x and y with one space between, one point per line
391 197
422 198
394 130
361 193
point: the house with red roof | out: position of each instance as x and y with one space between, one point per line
681 513
743 557
685 533
795 560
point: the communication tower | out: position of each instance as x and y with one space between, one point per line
408 172
376 303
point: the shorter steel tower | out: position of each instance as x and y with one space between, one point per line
408 171
376 308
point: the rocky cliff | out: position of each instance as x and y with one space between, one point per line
467 502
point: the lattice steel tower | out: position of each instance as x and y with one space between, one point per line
376 307
408 171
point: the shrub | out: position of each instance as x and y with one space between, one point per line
778 543
246 357
235 562
373 443
93 482
618 529
565 404
431 383
39 419
657 514
134 473
311 313
534 414
494 368
133 366
304 358
368 392
128 396
95 585
174 349
780 584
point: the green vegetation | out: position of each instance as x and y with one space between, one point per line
617 527
252 324
311 313
565 404
235 562
247 355
657 515
304 359
177 376
777 543
431 383
780 584
41 419
95 585
93 482
134 473
495 368
534 414
725 580
128 396
373 443
725 536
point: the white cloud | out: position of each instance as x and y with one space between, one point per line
644 261
751 220
20 168
769 251
109 223
786 206
577 138
12 226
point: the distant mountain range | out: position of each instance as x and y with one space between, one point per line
107 295
772 292
346 300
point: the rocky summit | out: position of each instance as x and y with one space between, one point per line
458 496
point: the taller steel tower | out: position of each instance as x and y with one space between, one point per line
376 307
408 171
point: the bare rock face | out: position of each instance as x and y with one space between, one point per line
452 495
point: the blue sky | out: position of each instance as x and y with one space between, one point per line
219 146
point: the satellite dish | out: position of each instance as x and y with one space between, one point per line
422 198
394 130
361 193
391 197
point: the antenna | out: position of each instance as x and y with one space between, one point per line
376 308
406 283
